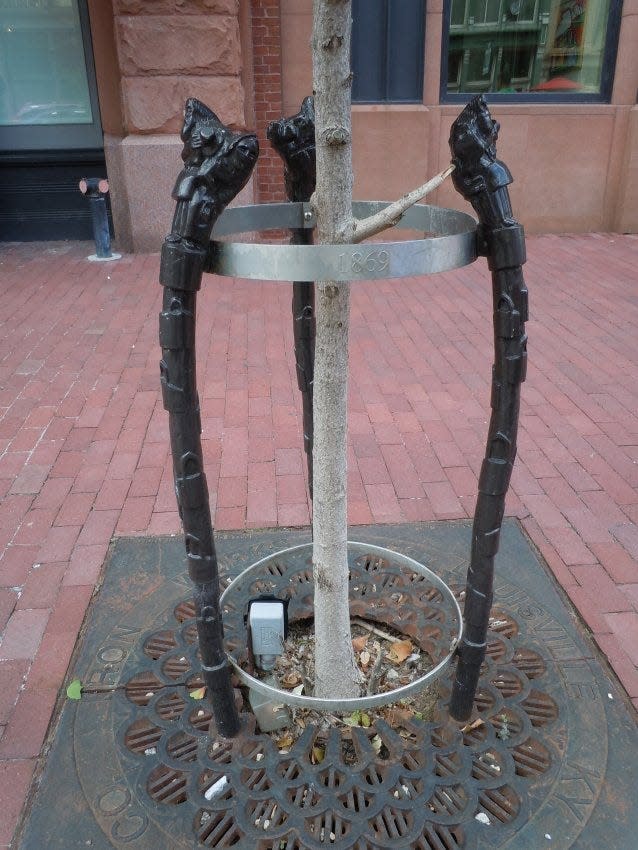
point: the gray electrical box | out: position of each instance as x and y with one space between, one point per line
267 628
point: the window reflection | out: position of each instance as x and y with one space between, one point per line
43 77
526 45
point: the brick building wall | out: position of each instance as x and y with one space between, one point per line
266 44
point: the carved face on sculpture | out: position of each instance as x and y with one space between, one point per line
224 158
474 133
294 140
487 126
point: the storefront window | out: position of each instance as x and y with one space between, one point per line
542 47
43 73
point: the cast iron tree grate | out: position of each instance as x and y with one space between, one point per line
431 786
563 745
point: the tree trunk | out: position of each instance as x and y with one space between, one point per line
335 669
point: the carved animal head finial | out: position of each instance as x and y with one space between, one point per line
473 135
478 175
217 165
294 140
229 157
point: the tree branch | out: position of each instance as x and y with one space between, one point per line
392 214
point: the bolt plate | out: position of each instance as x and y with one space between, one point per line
552 765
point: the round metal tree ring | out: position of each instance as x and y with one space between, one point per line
450 243
384 586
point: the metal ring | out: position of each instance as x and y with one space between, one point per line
353 703
452 245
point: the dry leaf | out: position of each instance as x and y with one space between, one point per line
399 651
198 693
398 716
359 643
317 755
354 719
285 742
364 658
290 680
74 691
469 726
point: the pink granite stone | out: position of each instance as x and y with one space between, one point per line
194 44
171 7
156 104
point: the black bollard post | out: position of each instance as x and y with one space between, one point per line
96 188
482 179
294 140
217 165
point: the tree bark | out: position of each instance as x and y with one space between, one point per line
336 674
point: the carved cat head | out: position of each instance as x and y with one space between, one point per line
473 135
294 140
224 158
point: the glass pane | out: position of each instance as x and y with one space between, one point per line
528 10
43 76
527 45
406 30
483 11
455 62
369 37
491 11
458 13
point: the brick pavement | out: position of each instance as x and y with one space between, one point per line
84 451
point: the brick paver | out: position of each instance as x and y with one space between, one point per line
84 451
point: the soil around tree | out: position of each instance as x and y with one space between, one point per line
386 659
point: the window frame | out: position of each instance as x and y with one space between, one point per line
607 75
56 137
385 58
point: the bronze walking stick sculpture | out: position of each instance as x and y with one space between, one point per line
217 165
482 179
294 140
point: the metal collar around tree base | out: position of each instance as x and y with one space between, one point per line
452 244
375 573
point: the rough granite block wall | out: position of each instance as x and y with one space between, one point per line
172 49
168 50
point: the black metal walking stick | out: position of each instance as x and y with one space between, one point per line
217 164
294 140
482 180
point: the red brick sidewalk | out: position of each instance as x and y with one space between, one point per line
84 451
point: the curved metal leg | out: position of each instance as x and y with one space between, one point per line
294 140
177 338
482 179
217 165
